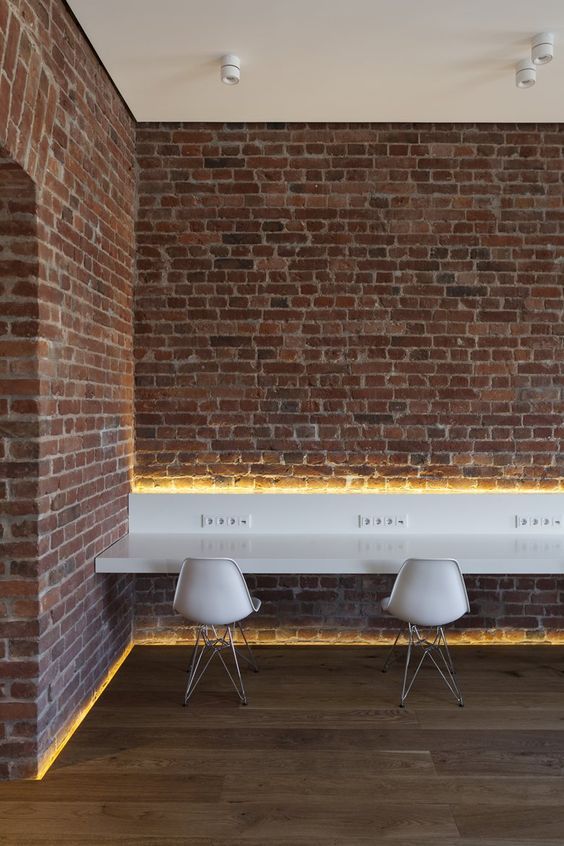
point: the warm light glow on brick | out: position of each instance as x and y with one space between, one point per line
417 486
67 732
493 637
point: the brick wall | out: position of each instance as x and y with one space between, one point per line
19 474
346 609
349 307
62 122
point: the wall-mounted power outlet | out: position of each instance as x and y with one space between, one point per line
538 522
226 522
382 522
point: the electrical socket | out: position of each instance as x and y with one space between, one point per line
536 522
226 522
382 521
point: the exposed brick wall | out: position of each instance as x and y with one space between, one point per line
19 473
63 123
349 307
301 609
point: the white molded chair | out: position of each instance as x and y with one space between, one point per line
428 593
212 593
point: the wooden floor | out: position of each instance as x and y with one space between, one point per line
321 756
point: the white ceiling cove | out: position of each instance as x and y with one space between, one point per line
328 60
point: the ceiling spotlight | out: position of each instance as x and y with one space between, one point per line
525 74
230 69
542 48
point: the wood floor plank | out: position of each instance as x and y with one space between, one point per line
153 759
387 787
278 840
510 755
523 823
174 716
473 718
367 840
256 822
547 744
168 786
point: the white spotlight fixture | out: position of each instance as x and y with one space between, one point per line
542 48
525 74
230 72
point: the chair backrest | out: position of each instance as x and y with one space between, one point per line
429 592
212 591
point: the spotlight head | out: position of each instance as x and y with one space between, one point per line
525 74
230 72
542 48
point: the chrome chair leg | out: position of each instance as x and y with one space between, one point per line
194 677
412 641
213 644
438 653
249 658
447 651
391 656
191 665
241 689
450 677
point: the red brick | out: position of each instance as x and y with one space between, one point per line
57 211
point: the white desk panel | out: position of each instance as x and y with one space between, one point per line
338 514
347 553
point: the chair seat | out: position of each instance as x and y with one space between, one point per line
256 602
385 602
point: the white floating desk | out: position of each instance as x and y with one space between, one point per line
321 533
342 554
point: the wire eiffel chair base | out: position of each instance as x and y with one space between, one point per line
209 644
438 653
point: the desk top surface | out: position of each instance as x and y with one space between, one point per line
335 554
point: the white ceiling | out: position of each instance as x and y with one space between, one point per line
328 60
